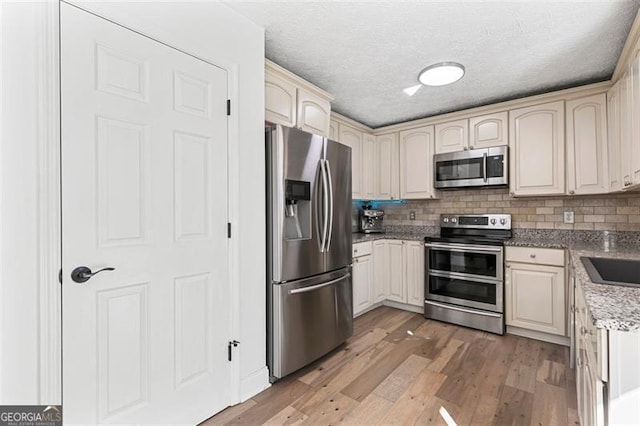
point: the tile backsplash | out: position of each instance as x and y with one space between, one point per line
614 212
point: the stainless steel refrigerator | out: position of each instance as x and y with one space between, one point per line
309 286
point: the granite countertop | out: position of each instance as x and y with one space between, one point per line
611 307
359 237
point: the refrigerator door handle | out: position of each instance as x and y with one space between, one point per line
318 286
328 172
325 207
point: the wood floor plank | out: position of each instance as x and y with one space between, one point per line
378 371
288 416
401 378
514 407
382 375
369 411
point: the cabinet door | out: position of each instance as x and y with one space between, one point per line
314 113
388 184
625 130
452 136
536 142
334 132
613 140
587 164
488 130
415 273
280 100
634 71
416 163
397 287
369 169
535 297
362 283
380 270
353 138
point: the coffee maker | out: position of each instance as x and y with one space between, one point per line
371 220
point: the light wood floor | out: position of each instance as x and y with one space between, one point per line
399 368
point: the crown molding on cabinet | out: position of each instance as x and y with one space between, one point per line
627 50
566 94
350 122
277 69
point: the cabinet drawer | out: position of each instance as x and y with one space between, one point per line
534 255
362 249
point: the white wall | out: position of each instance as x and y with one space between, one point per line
209 30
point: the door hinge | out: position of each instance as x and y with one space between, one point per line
229 230
228 106
232 344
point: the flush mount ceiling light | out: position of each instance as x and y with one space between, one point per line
441 74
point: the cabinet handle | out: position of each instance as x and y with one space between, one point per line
532 255
465 148
572 192
355 250
507 266
511 194
357 260
579 361
583 330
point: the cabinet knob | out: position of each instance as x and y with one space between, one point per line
357 260
572 192
507 266
511 194
355 250
532 255
465 148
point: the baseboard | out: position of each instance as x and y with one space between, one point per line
254 383
404 306
538 335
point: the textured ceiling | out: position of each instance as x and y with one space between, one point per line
365 53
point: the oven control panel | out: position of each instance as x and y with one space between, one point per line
481 221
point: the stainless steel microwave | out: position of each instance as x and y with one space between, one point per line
475 167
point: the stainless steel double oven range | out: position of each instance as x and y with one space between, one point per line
464 271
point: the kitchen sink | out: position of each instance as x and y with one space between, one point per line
604 270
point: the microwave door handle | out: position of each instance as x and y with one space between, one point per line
484 167
327 169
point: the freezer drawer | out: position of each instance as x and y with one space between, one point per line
310 318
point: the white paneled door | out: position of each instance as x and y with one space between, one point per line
144 184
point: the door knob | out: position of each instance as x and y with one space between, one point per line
82 274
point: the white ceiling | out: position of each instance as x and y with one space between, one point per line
365 53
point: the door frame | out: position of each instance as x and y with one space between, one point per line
45 17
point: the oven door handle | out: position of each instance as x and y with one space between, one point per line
467 311
469 248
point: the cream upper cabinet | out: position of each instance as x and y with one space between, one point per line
388 167
314 113
625 130
380 270
488 130
535 289
613 140
334 131
537 144
280 96
587 155
353 138
452 136
294 102
369 167
397 287
415 273
634 87
416 163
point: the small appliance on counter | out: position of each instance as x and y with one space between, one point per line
371 220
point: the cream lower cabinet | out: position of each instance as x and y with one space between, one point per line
396 262
414 256
537 146
535 290
381 271
362 279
